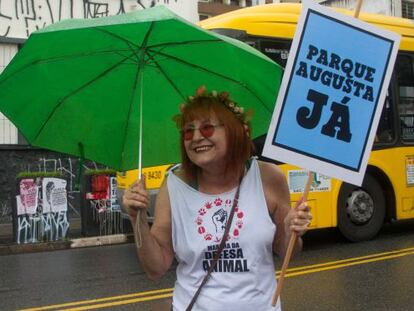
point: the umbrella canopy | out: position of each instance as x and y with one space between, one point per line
77 86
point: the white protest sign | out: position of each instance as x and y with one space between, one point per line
332 94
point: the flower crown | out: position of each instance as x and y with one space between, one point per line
223 98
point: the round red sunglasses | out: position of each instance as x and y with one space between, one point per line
206 130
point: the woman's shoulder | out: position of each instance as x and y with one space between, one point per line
274 183
178 171
270 172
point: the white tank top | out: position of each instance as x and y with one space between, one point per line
244 278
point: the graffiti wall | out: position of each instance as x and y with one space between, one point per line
45 209
19 18
13 162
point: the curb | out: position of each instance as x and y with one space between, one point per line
10 249
101 240
35 247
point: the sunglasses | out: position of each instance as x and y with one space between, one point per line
206 130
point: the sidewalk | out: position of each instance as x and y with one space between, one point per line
74 240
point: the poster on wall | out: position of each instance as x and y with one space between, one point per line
332 94
54 195
115 206
100 188
27 201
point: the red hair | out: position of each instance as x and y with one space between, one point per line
239 144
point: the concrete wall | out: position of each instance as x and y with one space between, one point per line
19 18
384 7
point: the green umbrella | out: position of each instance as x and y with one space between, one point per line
96 88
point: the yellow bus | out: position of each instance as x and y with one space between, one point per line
387 192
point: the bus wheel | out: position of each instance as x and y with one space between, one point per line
361 210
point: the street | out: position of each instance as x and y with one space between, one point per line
330 274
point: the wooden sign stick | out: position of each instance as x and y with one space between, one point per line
292 242
357 8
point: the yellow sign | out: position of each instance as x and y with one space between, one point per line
154 177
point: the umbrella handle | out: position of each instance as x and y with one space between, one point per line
137 231
137 227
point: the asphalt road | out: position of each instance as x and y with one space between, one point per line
330 274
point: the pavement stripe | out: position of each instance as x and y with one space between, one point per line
118 303
167 292
349 264
99 300
343 262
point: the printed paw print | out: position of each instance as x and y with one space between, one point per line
199 220
201 230
240 214
208 237
239 223
202 211
218 202
208 205
236 232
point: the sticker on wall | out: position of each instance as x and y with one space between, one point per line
297 180
409 170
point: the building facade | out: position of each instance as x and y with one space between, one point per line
399 8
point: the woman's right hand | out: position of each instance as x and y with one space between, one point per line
136 198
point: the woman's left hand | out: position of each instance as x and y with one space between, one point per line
298 219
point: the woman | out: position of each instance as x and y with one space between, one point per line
194 205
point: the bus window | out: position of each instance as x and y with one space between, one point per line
385 130
275 49
405 76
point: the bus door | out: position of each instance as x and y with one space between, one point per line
405 155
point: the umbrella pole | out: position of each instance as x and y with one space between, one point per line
137 231
140 127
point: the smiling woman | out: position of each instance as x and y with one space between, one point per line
209 111
218 212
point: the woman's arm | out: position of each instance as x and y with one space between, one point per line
287 219
156 253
